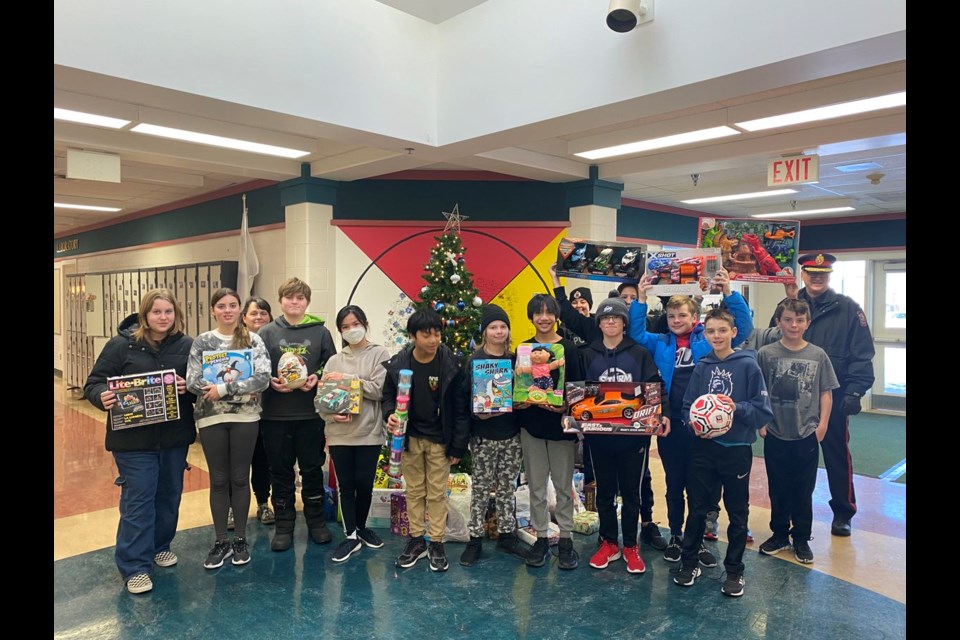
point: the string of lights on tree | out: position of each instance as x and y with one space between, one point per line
449 290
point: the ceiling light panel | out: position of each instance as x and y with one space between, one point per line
648 132
827 112
89 118
740 196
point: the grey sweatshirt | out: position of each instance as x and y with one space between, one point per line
239 400
367 427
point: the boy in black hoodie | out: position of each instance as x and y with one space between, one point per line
724 461
438 430
619 462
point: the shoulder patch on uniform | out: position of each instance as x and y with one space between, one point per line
863 318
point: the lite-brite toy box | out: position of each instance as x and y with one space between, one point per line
616 408
753 250
682 271
539 374
600 260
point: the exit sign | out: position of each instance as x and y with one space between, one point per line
793 170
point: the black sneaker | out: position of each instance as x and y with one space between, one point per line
469 556
220 552
774 545
567 557
346 549
650 535
437 556
320 533
369 538
705 558
673 552
538 553
840 527
509 543
415 549
803 552
687 576
241 552
733 585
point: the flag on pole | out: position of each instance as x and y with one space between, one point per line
249 264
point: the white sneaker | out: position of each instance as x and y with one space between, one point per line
140 583
165 559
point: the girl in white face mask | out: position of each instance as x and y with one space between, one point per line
355 438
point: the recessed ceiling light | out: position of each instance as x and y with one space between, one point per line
861 166
89 118
825 113
808 212
740 196
659 143
85 207
218 141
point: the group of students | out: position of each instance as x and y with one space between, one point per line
690 359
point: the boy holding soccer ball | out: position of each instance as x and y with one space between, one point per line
800 379
722 457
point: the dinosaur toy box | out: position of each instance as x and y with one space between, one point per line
753 250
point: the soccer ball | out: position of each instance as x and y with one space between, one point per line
711 415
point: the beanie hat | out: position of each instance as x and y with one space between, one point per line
582 293
490 313
613 307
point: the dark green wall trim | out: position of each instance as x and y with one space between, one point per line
482 201
214 216
307 189
876 234
658 226
592 191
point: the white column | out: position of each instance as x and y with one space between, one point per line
311 254
592 222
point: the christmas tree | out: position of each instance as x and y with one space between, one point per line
449 290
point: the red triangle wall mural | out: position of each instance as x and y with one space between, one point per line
494 255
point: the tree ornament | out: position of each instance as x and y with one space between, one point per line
454 278
461 305
424 289
451 322
477 301
438 306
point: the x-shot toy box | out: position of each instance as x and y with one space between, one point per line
617 408
683 271
754 250
599 260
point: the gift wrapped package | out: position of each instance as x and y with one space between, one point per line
399 523
586 522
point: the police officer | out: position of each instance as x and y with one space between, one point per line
839 327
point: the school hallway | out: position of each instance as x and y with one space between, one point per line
856 588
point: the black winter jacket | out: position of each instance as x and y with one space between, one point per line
124 355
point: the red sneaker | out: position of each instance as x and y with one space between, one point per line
608 551
631 556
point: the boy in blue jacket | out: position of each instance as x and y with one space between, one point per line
675 354
724 461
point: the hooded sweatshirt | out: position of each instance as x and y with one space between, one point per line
312 342
627 362
366 427
124 355
738 376
240 399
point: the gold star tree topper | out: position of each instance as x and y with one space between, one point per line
454 218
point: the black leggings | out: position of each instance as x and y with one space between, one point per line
228 448
355 468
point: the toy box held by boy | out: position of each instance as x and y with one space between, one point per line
614 408
492 390
753 250
143 398
682 271
539 374
600 260
339 393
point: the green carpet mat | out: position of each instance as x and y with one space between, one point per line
877 442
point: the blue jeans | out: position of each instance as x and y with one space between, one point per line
151 483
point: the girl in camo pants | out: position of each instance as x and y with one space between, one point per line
494 446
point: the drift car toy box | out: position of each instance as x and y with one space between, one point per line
683 271
618 408
338 393
752 250
492 386
144 398
599 260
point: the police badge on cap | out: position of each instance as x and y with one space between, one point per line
817 262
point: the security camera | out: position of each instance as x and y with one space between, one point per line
625 15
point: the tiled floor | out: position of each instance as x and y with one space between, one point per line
855 589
